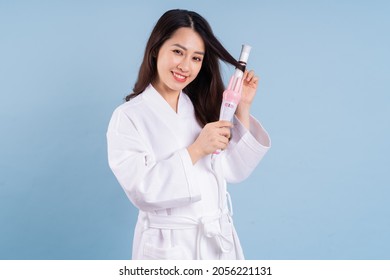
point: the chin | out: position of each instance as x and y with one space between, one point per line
179 87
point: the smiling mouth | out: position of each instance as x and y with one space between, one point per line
178 77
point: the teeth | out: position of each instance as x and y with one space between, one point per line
178 76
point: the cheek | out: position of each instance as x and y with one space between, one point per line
162 69
164 60
161 64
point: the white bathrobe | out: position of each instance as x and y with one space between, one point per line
184 209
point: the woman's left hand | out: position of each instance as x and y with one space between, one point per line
249 87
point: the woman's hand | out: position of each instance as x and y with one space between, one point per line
213 136
249 88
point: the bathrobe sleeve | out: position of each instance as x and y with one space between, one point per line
245 150
149 184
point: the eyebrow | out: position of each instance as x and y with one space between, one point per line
184 48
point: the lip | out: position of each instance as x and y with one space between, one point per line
179 77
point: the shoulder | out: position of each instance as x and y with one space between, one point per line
125 115
130 107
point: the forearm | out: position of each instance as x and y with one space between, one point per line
243 114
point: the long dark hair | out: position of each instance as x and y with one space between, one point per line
206 90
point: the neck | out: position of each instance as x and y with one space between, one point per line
172 100
170 96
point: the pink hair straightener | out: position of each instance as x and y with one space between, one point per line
232 95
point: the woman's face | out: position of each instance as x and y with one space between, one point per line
179 61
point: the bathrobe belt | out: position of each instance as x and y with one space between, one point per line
207 227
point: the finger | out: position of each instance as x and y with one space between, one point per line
222 140
250 76
224 131
255 80
245 75
223 123
225 143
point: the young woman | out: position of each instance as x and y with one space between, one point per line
161 144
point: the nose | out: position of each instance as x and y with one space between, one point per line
184 65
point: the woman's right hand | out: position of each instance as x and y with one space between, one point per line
214 136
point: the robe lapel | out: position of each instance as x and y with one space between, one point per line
172 120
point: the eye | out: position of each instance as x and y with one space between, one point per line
197 58
178 52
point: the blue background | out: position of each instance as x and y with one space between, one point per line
322 191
